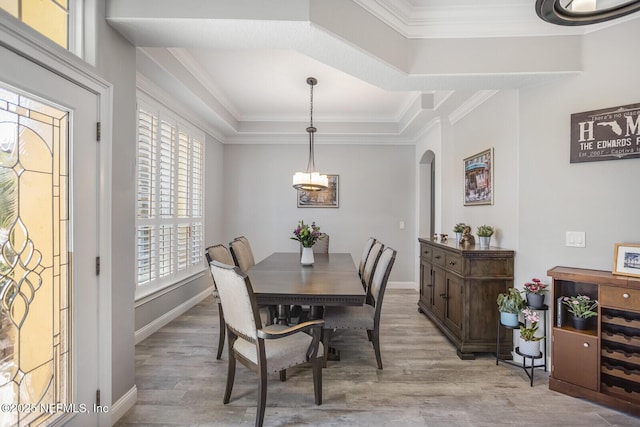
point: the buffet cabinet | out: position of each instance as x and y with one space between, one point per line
600 363
458 290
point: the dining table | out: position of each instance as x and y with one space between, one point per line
281 280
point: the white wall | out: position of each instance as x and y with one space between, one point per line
377 191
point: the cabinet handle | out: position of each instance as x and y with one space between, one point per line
452 263
625 296
426 252
585 345
437 257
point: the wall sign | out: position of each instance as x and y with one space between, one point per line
608 134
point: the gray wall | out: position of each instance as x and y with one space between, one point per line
377 188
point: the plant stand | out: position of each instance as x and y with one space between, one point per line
527 367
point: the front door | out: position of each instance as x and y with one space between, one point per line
48 247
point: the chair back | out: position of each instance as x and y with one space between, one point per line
322 244
381 276
237 299
370 265
365 254
246 242
219 253
242 256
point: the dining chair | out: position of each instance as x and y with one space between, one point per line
242 255
221 254
322 244
365 253
366 316
264 350
246 242
370 265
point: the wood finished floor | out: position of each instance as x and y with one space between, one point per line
180 383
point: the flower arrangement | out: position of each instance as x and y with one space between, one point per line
459 227
485 231
535 286
307 234
581 306
531 318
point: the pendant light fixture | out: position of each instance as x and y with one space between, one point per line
584 12
311 180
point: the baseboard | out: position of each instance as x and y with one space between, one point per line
402 285
126 402
147 330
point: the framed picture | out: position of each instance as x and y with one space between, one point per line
478 179
328 198
626 259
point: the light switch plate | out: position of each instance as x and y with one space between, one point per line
576 239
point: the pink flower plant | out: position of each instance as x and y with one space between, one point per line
531 318
535 286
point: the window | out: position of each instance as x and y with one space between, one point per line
58 20
169 227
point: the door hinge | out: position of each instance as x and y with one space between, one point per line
98 397
98 131
97 265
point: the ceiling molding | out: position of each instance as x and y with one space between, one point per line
472 103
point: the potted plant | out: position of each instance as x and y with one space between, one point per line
484 235
510 304
458 229
529 342
307 235
581 308
534 292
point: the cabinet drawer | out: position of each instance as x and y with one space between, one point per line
453 262
438 257
623 298
426 252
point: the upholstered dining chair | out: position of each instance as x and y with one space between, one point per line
366 316
242 255
370 265
264 350
246 242
322 244
221 254
365 253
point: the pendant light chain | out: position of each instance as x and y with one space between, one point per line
311 166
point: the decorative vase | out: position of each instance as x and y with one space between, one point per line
484 241
307 256
509 319
458 236
529 348
535 300
580 323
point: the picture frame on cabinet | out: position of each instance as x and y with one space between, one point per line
478 178
626 259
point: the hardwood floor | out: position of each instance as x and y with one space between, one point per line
180 383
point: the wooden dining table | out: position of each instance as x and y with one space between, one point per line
281 280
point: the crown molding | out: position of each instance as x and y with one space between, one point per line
472 103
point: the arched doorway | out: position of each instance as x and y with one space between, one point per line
427 197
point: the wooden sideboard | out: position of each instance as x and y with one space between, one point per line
458 290
601 363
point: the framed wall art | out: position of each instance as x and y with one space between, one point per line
328 198
626 259
478 179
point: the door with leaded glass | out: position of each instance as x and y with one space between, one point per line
49 345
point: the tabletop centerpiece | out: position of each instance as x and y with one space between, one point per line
307 235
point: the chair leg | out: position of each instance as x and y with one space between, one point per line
231 373
262 394
223 328
317 380
376 347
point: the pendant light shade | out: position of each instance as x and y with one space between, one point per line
584 12
310 180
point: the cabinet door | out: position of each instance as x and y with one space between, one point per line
426 285
438 305
453 303
575 358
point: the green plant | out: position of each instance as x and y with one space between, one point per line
510 302
459 227
307 234
581 306
485 231
531 318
